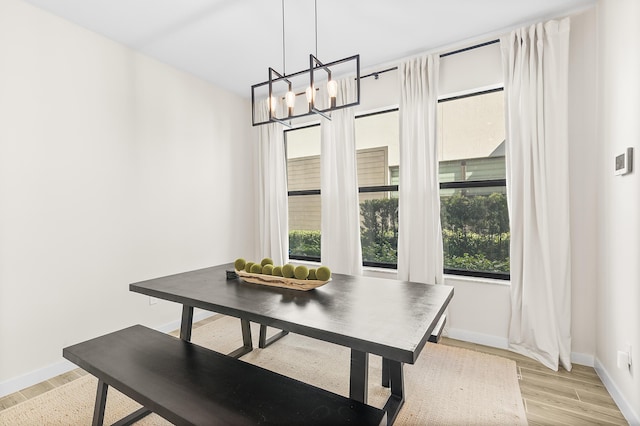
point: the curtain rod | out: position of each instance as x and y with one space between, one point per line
376 74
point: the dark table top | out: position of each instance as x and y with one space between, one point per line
385 317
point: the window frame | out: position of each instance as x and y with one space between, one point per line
395 188
299 192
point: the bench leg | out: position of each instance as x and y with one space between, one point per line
263 342
359 377
437 331
187 323
101 403
247 343
396 399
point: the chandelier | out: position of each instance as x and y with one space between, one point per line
314 90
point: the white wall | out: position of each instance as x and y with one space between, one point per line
583 173
618 292
114 168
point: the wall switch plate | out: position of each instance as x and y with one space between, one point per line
624 162
624 357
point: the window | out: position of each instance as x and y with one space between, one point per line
377 162
377 140
473 202
472 187
303 184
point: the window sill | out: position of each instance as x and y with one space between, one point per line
393 273
380 272
476 280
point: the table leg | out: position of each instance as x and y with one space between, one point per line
385 372
101 402
396 399
187 323
133 418
359 379
247 343
263 342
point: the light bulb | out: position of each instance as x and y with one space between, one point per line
291 99
310 93
273 103
332 88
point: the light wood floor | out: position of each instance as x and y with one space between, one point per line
558 398
550 398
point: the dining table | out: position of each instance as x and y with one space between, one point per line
389 318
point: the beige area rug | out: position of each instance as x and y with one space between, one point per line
447 386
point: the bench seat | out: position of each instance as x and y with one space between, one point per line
191 385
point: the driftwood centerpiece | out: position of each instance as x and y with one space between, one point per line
275 281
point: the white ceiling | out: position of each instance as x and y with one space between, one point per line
233 42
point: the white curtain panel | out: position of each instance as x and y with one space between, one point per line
535 62
420 255
341 249
272 184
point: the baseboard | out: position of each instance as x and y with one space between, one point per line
627 410
479 338
63 366
582 359
198 315
503 343
34 377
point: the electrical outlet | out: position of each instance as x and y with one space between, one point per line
152 300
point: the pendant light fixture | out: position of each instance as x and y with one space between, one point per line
317 85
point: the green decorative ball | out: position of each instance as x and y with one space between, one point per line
288 271
239 264
266 261
277 271
247 267
312 274
256 269
323 273
267 269
301 272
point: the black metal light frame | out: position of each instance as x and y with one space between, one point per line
314 66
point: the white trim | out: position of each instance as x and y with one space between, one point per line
626 408
503 343
582 359
379 110
43 374
479 338
198 315
477 91
476 280
34 377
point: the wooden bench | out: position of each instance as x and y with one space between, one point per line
436 334
191 385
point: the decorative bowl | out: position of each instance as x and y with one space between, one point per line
273 281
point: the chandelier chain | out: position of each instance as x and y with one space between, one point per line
284 62
315 5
